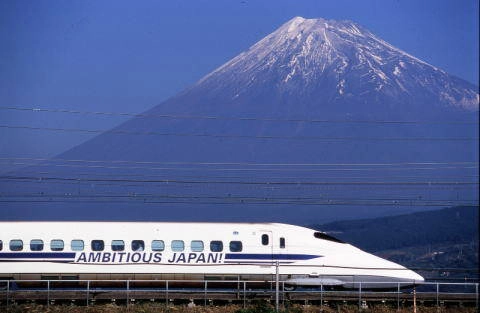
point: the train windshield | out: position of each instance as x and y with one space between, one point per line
324 236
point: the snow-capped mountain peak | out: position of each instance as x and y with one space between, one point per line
343 59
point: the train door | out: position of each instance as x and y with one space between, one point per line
276 246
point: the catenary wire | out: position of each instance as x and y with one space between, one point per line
364 188
242 163
269 183
223 202
237 169
163 176
263 137
216 117
142 196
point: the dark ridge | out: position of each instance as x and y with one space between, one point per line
450 225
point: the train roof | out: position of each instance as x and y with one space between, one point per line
149 222
152 223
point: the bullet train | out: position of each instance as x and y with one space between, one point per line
190 251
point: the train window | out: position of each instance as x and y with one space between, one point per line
118 245
36 245
216 246
1 245
265 239
158 245
324 236
138 245
178 245
77 245
56 245
16 245
98 245
196 245
282 243
236 246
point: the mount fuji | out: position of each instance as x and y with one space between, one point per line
307 69
320 63
317 102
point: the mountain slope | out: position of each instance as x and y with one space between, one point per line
307 69
320 119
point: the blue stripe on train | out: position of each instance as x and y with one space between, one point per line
228 256
35 261
266 256
256 261
37 255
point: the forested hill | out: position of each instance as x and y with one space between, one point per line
451 225
440 245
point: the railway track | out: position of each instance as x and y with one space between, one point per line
61 295
235 292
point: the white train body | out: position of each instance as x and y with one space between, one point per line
149 250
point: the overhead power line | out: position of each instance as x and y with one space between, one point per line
248 202
219 199
264 137
379 164
143 196
240 169
216 117
414 190
269 183
201 176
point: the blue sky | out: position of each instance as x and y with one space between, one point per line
124 56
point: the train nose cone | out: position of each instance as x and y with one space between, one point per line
418 279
